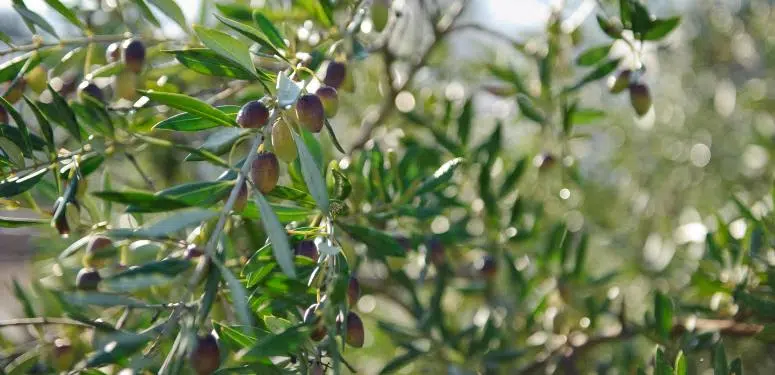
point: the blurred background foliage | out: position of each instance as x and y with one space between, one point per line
572 243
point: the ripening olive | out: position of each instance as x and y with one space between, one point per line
312 317
59 219
354 333
15 93
113 52
253 115
206 356
265 172
640 98
88 90
282 142
92 256
486 266
336 72
330 100
307 248
353 291
310 112
545 161
37 79
621 82
87 279
62 355
380 10
317 369
3 115
134 55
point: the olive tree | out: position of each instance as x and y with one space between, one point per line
197 212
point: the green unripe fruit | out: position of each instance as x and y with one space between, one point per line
206 356
87 279
621 82
640 98
380 11
96 251
37 79
89 91
312 317
134 55
330 100
113 52
354 333
310 112
336 72
265 172
353 291
125 85
306 248
282 142
253 115
140 252
62 355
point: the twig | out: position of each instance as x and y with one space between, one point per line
42 321
76 41
388 105
139 169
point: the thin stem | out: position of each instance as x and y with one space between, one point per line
139 169
75 41
42 321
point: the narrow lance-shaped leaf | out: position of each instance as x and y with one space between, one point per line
311 173
45 125
680 364
193 122
271 32
663 314
171 9
66 12
32 18
440 177
720 366
661 27
239 296
226 46
15 186
249 32
465 119
205 61
593 55
287 90
64 114
147 13
191 105
277 236
26 145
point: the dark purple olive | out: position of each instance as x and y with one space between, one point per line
307 249
436 251
353 291
134 55
310 112
265 172
336 72
354 333
312 317
206 356
486 266
87 279
253 115
640 98
90 90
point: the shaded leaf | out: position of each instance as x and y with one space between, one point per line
312 174
16 222
191 105
147 275
593 55
206 61
141 201
440 177
271 32
16 185
192 122
239 297
277 236
249 32
66 12
31 17
147 13
380 243
659 28
171 9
